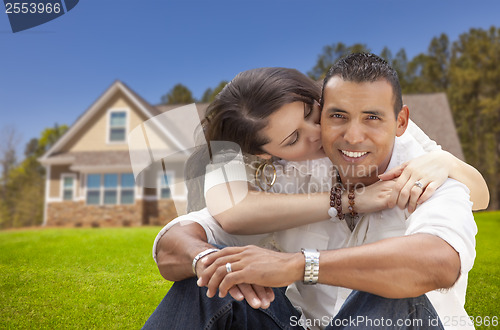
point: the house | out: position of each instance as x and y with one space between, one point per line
432 113
91 180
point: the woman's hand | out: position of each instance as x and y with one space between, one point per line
431 170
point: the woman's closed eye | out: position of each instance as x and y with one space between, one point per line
294 139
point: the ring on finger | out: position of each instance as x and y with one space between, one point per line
419 184
228 267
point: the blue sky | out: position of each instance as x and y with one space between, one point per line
53 72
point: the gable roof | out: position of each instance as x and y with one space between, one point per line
432 113
117 86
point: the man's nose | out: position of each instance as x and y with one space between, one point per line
354 134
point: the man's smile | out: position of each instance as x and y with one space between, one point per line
353 156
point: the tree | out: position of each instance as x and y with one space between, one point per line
330 55
207 95
474 85
399 63
10 138
210 94
179 94
23 189
429 73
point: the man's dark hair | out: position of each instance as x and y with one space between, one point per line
363 67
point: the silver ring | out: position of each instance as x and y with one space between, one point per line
228 267
419 184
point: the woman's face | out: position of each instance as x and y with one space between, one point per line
294 133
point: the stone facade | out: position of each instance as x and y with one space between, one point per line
78 214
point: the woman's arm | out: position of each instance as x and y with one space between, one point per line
432 169
256 212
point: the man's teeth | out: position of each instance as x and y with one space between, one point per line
354 154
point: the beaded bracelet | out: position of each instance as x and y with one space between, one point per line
336 200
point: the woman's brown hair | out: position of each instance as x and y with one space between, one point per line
240 112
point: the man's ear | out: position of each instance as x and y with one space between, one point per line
264 156
402 120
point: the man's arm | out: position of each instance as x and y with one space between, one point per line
399 267
177 249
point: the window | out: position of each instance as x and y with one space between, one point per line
117 126
110 189
94 189
127 188
68 187
164 189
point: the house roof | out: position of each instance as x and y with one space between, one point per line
432 113
94 158
148 110
201 107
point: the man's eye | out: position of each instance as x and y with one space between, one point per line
373 117
336 115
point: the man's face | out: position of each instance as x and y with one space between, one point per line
358 127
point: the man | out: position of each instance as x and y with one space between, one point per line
361 96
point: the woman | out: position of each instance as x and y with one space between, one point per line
256 110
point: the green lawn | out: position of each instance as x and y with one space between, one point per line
78 278
483 291
106 278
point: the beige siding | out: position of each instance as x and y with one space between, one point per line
93 136
55 180
178 169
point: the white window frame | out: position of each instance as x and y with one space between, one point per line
68 175
108 124
121 188
159 186
104 189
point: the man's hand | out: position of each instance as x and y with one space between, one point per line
251 265
256 296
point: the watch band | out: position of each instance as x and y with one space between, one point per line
201 255
311 269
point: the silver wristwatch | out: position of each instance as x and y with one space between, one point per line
311 270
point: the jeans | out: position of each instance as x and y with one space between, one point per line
186 306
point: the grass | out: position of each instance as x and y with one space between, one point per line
78 278
106 278
483 290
